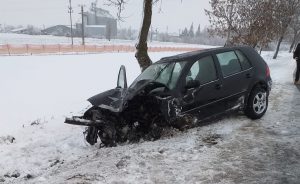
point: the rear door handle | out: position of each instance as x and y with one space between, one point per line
248 75
219 86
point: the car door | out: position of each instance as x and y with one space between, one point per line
236 77
202 100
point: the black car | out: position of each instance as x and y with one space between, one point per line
179 91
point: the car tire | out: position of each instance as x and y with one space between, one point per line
257 103
91 135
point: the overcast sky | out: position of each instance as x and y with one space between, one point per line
174 14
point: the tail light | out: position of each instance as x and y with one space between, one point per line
267 71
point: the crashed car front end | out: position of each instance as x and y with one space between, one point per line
128 114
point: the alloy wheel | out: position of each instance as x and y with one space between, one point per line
260 102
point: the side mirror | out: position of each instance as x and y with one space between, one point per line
192 84
122 80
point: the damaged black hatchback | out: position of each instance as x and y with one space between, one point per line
179 91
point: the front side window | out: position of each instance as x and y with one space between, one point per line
164 73
203 70
229 63
176 73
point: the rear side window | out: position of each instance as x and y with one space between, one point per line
229 63
244 61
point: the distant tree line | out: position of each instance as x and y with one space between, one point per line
255 23
185 35
199 36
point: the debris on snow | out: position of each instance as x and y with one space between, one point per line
55 162
28 176
36 122
123 162
2 180
7 139
212 139
85 177
15 174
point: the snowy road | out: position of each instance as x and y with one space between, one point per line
239 151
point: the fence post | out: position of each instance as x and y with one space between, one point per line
27 49
8 49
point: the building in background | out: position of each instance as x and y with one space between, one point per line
58 30
98 23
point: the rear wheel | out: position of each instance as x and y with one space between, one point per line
257 103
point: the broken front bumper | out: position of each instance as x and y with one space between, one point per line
83 122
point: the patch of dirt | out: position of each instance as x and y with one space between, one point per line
85 178
212 139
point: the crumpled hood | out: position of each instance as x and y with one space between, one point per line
115 99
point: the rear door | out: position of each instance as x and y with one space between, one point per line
236 76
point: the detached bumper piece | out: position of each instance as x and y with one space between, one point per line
83 122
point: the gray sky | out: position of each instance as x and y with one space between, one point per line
174 14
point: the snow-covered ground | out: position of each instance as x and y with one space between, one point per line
17 39
37 92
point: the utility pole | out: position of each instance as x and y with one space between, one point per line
71 11
82 25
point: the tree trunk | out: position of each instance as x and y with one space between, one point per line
260 50
141 47
295 38
278 47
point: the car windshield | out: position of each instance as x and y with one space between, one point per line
164 73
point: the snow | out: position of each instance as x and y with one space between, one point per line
17 39
38 92
44 87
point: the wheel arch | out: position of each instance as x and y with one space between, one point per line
261 84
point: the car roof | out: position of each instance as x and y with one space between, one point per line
196 54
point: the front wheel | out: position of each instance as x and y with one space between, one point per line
91 135
257 103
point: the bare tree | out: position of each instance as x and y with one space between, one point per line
222 18
295 29
285 11
191 31
198 32
256 23
141 47
242 21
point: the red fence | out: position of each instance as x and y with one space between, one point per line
30 49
